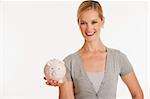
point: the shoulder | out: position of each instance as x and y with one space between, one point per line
70 57
123 64
69 60
116 52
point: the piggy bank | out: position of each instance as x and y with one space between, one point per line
55 70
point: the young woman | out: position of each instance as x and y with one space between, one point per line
93 70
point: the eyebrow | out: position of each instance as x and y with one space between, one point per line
91 20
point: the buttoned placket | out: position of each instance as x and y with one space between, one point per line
87 78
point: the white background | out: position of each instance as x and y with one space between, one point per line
32 32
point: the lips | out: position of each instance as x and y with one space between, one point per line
90 33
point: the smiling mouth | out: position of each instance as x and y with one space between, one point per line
90 33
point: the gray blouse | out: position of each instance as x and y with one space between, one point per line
116 64
96 79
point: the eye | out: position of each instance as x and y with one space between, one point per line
82 23
58 68
94 22
52 68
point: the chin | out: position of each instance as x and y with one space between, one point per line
90 39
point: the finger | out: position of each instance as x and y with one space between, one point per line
59 84
56 85
50 84
54 81
47 83
50 81
44 78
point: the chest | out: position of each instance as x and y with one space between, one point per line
82 84
94 63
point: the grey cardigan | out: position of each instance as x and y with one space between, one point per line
116 64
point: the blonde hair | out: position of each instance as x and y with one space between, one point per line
88 5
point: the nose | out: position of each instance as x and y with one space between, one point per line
89 28
54 73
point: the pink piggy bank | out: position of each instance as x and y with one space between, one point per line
55 70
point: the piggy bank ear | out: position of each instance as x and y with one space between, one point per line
48 64
63 62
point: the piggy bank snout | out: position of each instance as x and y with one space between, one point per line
55 70
58 71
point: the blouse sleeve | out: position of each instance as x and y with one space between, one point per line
67 62
125 65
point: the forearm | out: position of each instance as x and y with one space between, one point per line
66 97
138 96
66 92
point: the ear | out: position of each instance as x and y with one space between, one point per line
103 21
63 62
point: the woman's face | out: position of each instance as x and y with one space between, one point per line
90 25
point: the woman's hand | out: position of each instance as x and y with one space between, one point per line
52 82
65 89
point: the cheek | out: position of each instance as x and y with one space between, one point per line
82 28
98 26
50 70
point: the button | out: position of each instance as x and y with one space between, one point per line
96 94
102 82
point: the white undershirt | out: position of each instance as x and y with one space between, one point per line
96 79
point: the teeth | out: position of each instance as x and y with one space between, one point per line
90 33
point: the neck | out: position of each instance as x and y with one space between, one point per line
94 46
